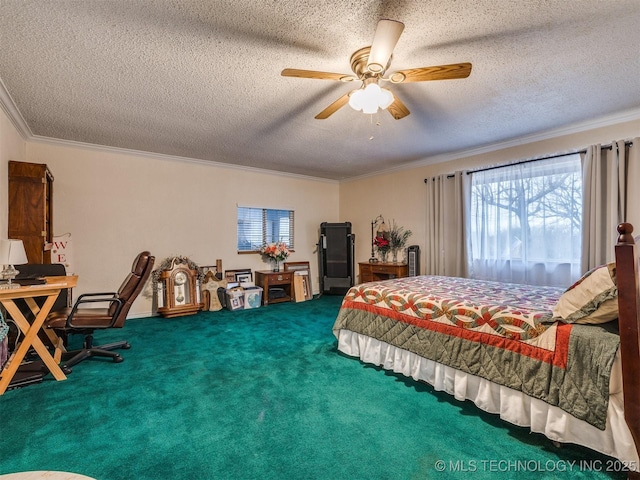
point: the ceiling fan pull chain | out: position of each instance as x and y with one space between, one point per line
371 136
372 125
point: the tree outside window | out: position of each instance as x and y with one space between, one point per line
525 222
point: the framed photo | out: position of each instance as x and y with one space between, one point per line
296 266
236 303
246 277
302 286
235 299
306 287
231 275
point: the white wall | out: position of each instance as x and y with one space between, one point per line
116 205
402 196
12 147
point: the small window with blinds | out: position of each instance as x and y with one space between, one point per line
258 226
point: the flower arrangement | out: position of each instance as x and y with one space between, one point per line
276 252
398 236
392 240
381 242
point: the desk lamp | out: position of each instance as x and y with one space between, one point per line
11 253
379 220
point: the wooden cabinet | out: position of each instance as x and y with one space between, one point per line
30 209
373 272
276 286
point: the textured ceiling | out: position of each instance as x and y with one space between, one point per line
201 79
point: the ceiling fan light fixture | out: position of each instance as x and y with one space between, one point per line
386 98
370 108
354 99
370 99
369 65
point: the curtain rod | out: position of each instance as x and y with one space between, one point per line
584 150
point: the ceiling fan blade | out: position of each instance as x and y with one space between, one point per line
439 72
331 109
294 72
398 109
384 41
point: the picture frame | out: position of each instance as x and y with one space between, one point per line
235 298
296 266
303 289
244 277
308 291
231 275
237 303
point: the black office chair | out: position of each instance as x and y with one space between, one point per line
84 320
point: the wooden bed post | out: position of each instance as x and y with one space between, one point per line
628 319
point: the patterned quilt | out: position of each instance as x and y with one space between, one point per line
498 331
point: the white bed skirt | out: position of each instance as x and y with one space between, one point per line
513 406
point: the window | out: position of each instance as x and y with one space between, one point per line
257 226
525 222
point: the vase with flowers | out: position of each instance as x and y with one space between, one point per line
275 252
381 242
398 237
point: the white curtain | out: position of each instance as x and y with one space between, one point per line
525 222
447 206
605 173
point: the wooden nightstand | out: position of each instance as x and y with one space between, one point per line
373 272
275 281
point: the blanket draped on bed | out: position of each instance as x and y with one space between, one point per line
492 330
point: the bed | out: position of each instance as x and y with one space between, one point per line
554 360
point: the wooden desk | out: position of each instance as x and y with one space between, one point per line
374 272
50 290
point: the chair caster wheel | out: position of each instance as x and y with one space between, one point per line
126 346
66 370
118 359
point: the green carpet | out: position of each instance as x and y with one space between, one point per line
261 394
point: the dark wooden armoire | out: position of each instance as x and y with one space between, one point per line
30 209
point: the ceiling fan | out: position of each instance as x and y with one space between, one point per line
369 64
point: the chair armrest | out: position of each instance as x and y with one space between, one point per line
107 296
88 298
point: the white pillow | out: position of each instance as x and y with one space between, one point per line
592 299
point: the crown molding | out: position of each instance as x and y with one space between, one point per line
605 121
13 113
9 106
171 158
